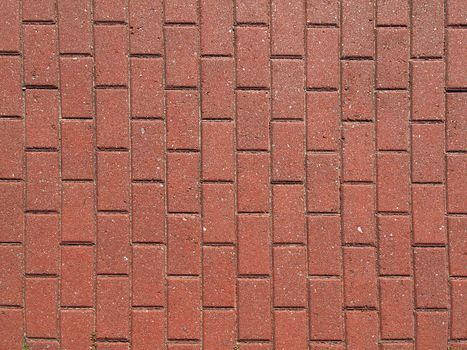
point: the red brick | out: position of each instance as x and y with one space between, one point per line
287 27
428 153
456 122
182 48
361 330
397 345
182 120
183 182
427 90
181 11
458 309
40 55
11 211
252 57
254 246
432 330
288 209
290 276
357 95
147 96
360 277
455 11
77 213
288 99
147 150
252 120
427 20
112 310
39 10
254 309
358 35
110 10
76 327
456 170
457 246
358 213
392 12
216 27
219 329
429 225
456 61
324 245
322 121
148 220
218 213
179 346
42 187
217 151
146 26
11 143
11 275
395 253
184 251
43 344
112 181
392 127
256 346
323 58
431 278
112 118
252 11
291 330
287 151
184 315
74 26
458 345
10 26
396 310
41 118
253 182
41 314
112 346
111 62
148 287
393 186
77 276
326 346
358 151
11 334
322 182
77 149
392 66
217 82
147 330
10 94
113 244
326 321
219 272
322 11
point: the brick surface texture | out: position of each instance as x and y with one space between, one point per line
233 174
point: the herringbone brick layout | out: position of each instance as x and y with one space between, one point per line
233 174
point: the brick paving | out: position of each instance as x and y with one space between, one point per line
233 174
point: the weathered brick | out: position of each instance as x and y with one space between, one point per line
428 152
360 277
42 119
76 328
322 121
147 329
457 246
148 287
253 182
357 28
456 61
41 312
456 186
219 329
322 58
322 182
217 151
112 118
357 94
184 308
216 27
181 11
182 120
11 211
218 213
287 151
254 309
287 27
10 27
326 319
77 150
74 26
358 213
110 10
42 252
219 269
147 96
11 275
392 12
291 330
145 20
459 308
289 276
358 151
148 207
184 251
252 11
322 11
113 244
427 90
288 96
392 127
11 143
43 181
254 245
10 94
393 186
431 330
38 10
183 191
427 28
361 329
288 219
112 181
456 123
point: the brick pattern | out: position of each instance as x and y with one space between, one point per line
246 174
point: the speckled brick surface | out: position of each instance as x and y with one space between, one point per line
233 174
